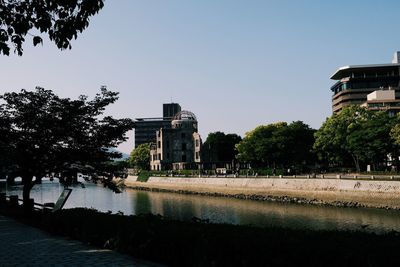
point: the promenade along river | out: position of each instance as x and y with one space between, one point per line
218 209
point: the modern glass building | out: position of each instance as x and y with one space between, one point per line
355 82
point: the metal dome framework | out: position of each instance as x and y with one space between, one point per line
185 115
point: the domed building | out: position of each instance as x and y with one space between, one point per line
178 147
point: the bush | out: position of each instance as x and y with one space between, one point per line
143 176
197 243
266 171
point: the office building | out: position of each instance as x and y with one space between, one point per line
383 100
356 82
145 128
171 109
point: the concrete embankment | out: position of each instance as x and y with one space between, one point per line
337 192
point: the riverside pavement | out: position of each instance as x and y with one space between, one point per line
23 245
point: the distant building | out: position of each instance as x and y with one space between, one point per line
179 146
355 83
171 109
145 128
383 100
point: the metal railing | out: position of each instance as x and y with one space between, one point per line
14 199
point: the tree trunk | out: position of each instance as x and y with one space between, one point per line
38 179
10 179
74 178
356 163
26 190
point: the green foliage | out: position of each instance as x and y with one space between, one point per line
278 144
159 239
61 20
395 131
357 133
140 157
260 144
117 167
187 173
158 173
5 148
143 176
48 134
262 172
220 147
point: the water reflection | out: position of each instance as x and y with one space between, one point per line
220 210
142 203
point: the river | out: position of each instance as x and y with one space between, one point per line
217 209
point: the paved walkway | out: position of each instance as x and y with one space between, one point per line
23 245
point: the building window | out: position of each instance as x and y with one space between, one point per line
197 155
159 144
183 146
159 156
183 158
197 142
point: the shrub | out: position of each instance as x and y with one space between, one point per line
143 176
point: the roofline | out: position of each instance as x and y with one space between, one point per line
154 119
363 66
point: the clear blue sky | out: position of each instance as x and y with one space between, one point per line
235 64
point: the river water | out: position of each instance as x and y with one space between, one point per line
217 209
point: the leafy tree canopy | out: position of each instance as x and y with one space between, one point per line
61 20
220 147
48 134
395 131
277 144
357 133
140 157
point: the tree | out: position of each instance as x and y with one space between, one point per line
140 157
62 20
220 147
299 141
395 138
277 144
395 131
5 163
48 134
357 133
260 146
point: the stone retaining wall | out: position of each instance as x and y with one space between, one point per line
284 183
371 193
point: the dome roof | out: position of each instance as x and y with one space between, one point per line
185 115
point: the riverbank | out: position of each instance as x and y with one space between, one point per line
317 191
198 243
